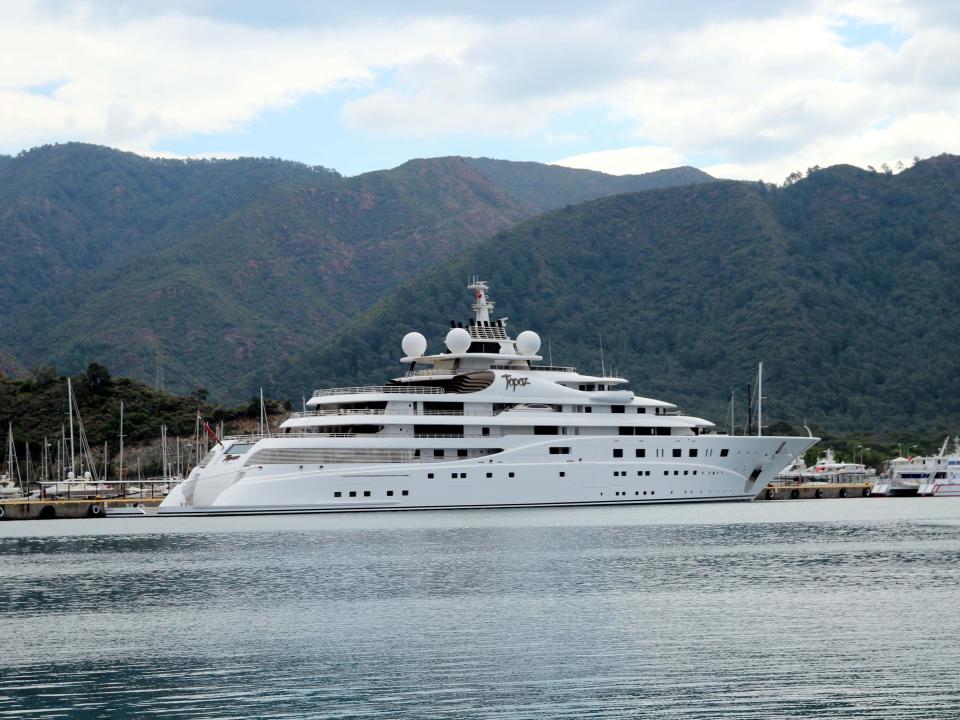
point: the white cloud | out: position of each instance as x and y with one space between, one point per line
625 161
750 89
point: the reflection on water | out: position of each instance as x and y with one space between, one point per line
839 609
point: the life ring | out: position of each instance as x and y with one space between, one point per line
843 492
866 492
794 494
95 510
819 492
771 493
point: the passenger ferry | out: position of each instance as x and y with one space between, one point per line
481 424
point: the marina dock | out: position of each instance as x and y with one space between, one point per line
68 509
816 491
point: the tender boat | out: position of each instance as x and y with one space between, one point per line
481 424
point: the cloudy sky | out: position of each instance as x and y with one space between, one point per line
743 89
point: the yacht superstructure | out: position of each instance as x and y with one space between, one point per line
481 424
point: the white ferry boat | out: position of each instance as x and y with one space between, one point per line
480 425
915 475
945 483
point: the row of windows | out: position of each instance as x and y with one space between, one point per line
366 493
677 452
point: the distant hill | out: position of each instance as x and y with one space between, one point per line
844 284
220 265
545 187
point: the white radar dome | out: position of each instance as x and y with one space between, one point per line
458 340
528 342
414 344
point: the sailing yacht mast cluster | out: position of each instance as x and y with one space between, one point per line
481 424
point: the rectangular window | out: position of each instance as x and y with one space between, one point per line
337 493
663 431
694 472
366 493
489 475
724 452
485 431
562 474
353 493
405 492
676 472
509 474
462 452
641 411
588 409
559 451
694 452
546 430
617 408
453 475
389 493
438 453
618 452
666 472
648 472
626 430
643 431
641 452
677 452
430 476
463 475
684 472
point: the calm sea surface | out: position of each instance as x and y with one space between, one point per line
830 608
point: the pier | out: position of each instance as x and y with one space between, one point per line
68 509
816 491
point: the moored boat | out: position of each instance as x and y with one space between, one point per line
481 424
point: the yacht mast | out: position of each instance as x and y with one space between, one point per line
760 400
73 457
120 471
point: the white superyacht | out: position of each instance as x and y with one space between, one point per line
480 425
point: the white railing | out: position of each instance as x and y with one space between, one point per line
393 389
380 411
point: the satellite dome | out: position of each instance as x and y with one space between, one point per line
458 340
528 342
414 344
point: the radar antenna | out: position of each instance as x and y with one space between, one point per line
482 306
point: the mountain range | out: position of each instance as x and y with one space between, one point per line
231 275
844 285
202 271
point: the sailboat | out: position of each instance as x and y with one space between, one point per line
87 485
10 480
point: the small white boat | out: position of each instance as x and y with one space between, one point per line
9 490
914 475
945 483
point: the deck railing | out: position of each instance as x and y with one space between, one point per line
393 389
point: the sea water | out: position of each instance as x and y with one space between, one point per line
830 608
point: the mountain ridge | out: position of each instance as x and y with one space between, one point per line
214 264
833 282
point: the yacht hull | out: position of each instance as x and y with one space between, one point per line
700 472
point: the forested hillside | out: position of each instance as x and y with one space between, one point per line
844 284
217 266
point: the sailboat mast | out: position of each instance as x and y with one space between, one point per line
760 400
120 471
73 457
